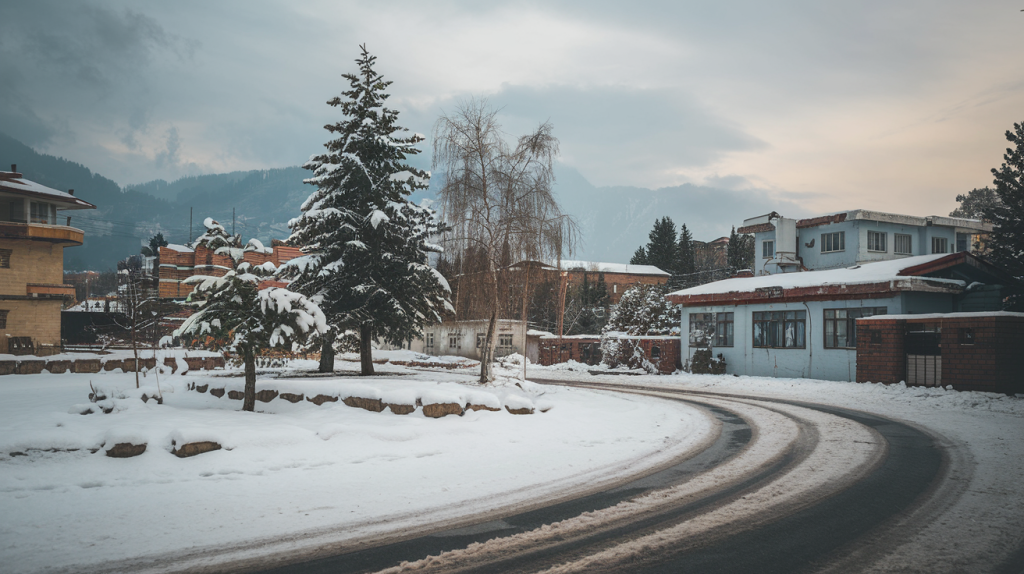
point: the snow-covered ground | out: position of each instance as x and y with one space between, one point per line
295 475
983 433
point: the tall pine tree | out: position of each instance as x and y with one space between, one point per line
682 271
740 252
1006 242
661 245
364 243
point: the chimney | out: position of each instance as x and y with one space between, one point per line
14 167
71 192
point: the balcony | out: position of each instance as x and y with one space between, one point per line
41 232
45 291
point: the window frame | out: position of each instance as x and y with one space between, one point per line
5 258
833 237
456 338
502 336
944 242
428 340
725 329
877 241
765 244
707 320
480 338
830 325
896 243
3 318
774 326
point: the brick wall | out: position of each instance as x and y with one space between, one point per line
31 262
993 361
552 352
176 266
669 357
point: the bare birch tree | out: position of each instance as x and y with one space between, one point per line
498 202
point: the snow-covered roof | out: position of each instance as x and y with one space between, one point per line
604 267
179 248
13 182
866 273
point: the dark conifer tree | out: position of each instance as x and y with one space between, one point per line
639 256
683 270
1006 242
365 244
661 245
740 253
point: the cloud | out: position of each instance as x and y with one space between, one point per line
170 156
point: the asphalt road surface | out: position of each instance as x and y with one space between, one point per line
785 487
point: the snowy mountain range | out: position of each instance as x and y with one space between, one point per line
613 220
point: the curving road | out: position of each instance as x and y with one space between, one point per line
785 487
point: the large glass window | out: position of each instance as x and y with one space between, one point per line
876 241
702 328
841 325
724 329
767 249
939 245
780 329
42 212
832 242
903 244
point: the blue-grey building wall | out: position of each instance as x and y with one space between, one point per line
856 244
814 361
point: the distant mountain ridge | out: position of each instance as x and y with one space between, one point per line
613 220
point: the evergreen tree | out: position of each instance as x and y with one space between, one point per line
975 203
364 243
639 256
740 253
1006 242
236 314
643 310
661 245
684 268
155 243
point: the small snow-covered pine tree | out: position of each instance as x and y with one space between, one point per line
234 313
364 244
643 310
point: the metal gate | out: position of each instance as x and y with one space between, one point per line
924 356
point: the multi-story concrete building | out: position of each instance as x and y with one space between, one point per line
33 235
840 240
817 279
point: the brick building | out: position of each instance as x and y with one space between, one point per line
179 262
970 351
618 277
32 243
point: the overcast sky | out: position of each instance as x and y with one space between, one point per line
894 106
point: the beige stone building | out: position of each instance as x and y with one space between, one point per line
32 242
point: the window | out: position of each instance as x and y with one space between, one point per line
832 242
963 242
768 249
5 258
841 325
938 244
42 212
724 329
701 328
3 318
780 329
655 352
17 211
504 340
429 343
903 244
454 341
480 340
876 241
966 336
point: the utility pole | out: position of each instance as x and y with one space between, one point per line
232 221
190 225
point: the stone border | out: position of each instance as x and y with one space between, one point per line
432 410
36 366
